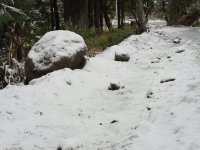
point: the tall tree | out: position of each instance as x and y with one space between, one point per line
55 20
76 12
120 13
97 14
106 6
90 13
141 15
12 15
83 14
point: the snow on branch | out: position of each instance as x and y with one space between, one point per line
16 10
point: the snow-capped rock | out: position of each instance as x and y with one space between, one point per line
55 50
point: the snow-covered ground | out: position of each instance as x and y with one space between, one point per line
75 109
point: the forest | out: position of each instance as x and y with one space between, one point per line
99 74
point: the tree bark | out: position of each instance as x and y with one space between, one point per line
56 15
105 13
90 13
119 13
141 15
55 20
101 15
72 11
52 16
76 12
83 17
122 13
97 14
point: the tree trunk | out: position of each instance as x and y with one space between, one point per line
101 15
71 11
105 13
52 16
90 13
55 20
56 15
83 17
97 14
141 15
122 13
76 12
119 13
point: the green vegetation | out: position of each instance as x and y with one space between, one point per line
98 42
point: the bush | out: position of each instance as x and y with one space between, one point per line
13 76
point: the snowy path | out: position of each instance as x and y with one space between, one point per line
76 110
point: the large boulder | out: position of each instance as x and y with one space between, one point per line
55 50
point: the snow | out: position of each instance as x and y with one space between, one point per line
55 45
18 11
75 109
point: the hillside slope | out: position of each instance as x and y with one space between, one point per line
157 108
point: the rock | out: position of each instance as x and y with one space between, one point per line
122 57
59 148
55 50
148 108
177 40
155 61
149 94
114 86
168 57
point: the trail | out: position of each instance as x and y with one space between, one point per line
158 107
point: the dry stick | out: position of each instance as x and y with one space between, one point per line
167 80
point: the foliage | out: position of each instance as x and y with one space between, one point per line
177 11
14 75
11 10
98 42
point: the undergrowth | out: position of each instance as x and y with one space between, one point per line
96 43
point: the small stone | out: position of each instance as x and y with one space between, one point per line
59 148
149 94
122 57
168 57
114 87
148 108
177 40
69 82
